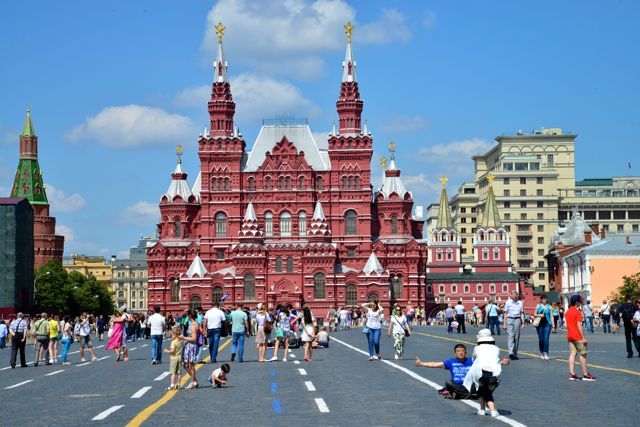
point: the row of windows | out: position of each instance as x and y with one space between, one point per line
523 204
523 193
539 216
284 183
467 288
133 294
523 180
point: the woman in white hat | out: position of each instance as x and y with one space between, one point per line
483 375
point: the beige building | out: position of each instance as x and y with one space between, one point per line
95 266
129 282
536 191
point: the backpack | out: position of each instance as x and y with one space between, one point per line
627 312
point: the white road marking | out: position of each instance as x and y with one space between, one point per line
293 356
162 376
104 414
322 406
84 364
104 357
54 372
8 367
134 348
18 385
100 346
430 383
138 394
144 345
310 386
74 352
302 372
297 362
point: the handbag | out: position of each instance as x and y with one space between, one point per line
365 330
537 320
267 326
403 326
279 334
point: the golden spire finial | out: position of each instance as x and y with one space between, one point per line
179 153
220 31
444 181
490 178
383 162
392 147
348 30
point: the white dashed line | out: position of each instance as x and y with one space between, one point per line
302 372
3 369
104 357
138 394
293 356
84 364
100 346
430 383
296 362
18 385
104 414
54 372
134 348
144 345
310 386
322 406
162 376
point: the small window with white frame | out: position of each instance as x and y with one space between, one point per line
485 254
454 289
479 288
441 289
505 288
492 288
467 289
439 255
449 254
496 253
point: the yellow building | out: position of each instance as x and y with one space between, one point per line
95 266
536 191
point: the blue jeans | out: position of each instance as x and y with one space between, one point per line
449 328
213 335
156 347
2 342
589 323
66 345
133 337
606 323
237 345
543 337
374 341
493 322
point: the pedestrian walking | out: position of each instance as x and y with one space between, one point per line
401 329
212 324
450 315
605 308
373 314
577 340
263 321
556 317
18 332
492 313
484 372
190 352
282 334
175 358
54 337
239 329
67 338
118 339
587 311
331 318
636 323
101 324
41 332
460 317
308 332
157 324
544 321
84 337
626 315
4 331
512 323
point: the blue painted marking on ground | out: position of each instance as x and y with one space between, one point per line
276 406
274 387
273 372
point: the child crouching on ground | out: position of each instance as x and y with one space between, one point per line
175 352
218 377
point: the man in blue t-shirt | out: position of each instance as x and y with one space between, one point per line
458 367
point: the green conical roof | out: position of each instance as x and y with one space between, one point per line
28 182
27 129
444 212
490 214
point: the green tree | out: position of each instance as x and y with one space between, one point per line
630 289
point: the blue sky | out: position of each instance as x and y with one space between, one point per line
115 86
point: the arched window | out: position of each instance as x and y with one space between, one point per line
357 183
226 184
449 254
221 224
267 183
285 224
302 223
429 289
252 184
439 255
351 295
318 286
213 184
394 224
301 183
373 297
344 182
492 288
176 228
281 182
485 254
279 264
466 288
175 291
289 264
287 182
351 223
195 302
479 288
319 183
220 184
268 224
496 253
216 296
249 287
350 182
396 287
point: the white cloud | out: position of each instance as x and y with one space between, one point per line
123 254
400 123
134 126
429 19
67 232
287 36
61 203
141 213
143 208
454 152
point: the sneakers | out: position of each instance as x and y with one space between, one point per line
273 359
284 359
546 356
153 362
83 360
233 357
495 414
482 412
589 377
50 361
396 356
93 359
574 377
66 363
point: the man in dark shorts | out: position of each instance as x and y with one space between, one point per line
458 367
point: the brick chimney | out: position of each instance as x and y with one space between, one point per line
587 237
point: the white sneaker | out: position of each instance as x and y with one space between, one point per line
51 361
396 356
284 359
495 414
273 359
83 360
481 412
67 363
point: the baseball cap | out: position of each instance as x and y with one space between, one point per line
575 298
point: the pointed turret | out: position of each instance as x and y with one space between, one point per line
27 129
221 107
349 104
490 214
373 266
249 228
196 268
179 185
391 183
444 221
319 226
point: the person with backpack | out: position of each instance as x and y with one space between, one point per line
606 316
626 315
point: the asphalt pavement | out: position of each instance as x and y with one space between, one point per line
339 387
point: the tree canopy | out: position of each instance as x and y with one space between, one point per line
630 289
71 293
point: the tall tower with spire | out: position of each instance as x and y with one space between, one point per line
444 242
491 242
28 183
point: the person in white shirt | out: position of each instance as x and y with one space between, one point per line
492 315
157 324
460 317
400 325
513 322
213 319
606 316
4 331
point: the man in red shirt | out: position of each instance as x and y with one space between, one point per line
577 341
